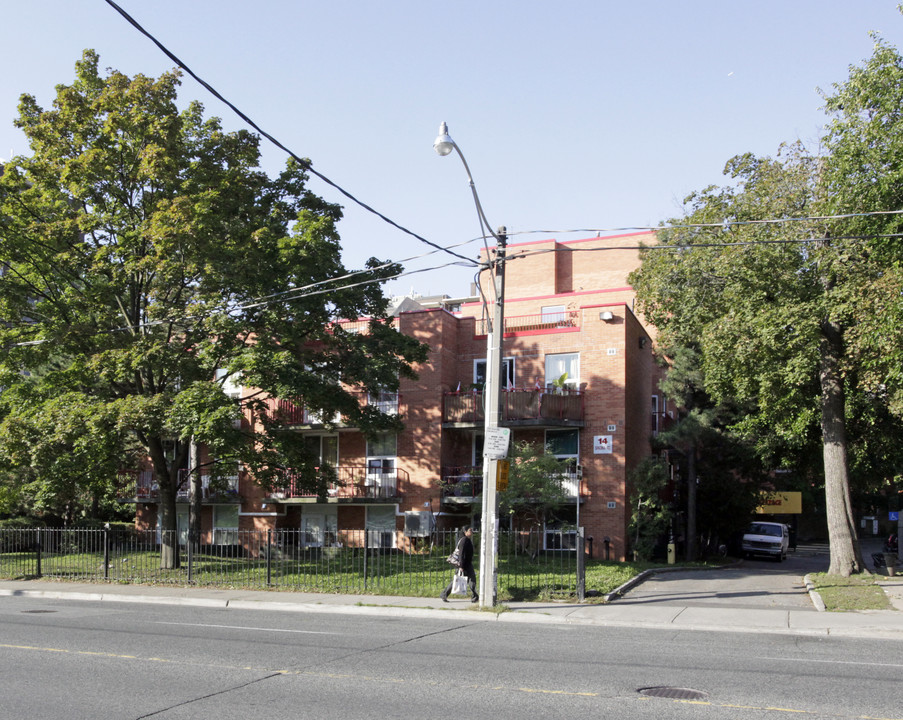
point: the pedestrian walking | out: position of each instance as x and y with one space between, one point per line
464 550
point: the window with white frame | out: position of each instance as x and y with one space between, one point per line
565 365
655 415
225 525
565 446
231 383
554 313
386 401
319 527
382 451
380 526
479 372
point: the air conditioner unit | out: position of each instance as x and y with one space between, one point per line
417 524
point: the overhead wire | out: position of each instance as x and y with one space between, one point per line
306 164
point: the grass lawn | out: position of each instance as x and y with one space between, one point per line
857 592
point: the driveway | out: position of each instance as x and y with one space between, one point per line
754 584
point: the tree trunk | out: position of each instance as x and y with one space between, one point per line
196 497
167 475
691 502
846 558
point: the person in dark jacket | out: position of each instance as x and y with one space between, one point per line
465 551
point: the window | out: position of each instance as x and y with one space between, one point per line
565 445
380 526
554 314
655 415
563 364
231 384
479 372
225 525
561 529
323 448
381 455
319 529
385 401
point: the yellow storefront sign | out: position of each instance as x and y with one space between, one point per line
781 503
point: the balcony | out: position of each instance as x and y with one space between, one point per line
353 482
289 412
557 321
142 486
520 407
461 483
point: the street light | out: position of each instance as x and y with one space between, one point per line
492 392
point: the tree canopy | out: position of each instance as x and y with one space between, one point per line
787 281
147 259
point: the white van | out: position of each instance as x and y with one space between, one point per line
766 538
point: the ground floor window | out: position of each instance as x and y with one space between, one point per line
381 526
225 525
319 527
181 524
561 528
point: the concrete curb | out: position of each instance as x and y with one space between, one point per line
813 594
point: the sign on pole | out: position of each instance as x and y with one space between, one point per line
495 445
501 475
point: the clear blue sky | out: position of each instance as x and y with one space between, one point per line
577 114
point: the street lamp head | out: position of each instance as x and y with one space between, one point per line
444 144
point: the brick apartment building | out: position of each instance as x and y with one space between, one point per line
568 309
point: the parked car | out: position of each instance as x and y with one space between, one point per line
766 538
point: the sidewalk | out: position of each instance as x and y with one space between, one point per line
885 624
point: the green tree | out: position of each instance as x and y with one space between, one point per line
652 514
148 259
535 484
769 304
721 471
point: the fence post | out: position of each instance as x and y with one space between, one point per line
366 553
269 557
190 547
37 547
581 564
106 553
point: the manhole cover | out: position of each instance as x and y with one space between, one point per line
673 693
35 612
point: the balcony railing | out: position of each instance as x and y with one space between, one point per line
562 320
461 481
289 412
142 485
466 407
352 482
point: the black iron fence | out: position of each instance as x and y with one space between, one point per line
344 561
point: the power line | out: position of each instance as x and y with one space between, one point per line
306 164
725 224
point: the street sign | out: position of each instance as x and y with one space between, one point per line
495 445
501 475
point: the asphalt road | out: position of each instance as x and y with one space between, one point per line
76 659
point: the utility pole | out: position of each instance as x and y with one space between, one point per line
489 534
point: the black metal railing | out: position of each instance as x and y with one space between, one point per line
344 561
517 404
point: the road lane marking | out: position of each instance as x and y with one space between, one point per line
344 676
242 627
